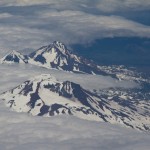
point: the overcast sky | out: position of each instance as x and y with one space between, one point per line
32 24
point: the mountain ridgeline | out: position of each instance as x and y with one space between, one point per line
45 96
55 55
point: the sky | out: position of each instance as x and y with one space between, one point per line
28 25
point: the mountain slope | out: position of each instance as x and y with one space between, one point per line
14 57
57 56
45 96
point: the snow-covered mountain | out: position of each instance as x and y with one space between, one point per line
14 57
55 55
46 96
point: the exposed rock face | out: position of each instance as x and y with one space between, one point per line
45 96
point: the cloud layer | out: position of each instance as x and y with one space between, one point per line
21 132
31 24
13 75
102 5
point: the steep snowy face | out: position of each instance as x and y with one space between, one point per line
14 57
61 47
55 55
46 96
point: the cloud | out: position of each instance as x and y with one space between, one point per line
5 15
21 37
104 5
101 5
67 26
32 24
13 75
122 5
20 131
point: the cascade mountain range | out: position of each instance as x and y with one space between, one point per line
44 95
57 56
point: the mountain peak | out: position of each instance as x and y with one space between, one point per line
14 57
60 46
46 96
56 55
14 53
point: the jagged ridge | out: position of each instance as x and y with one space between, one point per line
45 96
14 57
55 55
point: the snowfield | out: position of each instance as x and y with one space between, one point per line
22 131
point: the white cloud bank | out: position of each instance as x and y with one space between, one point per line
20 131
103 5
13 75
32 24
70 22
